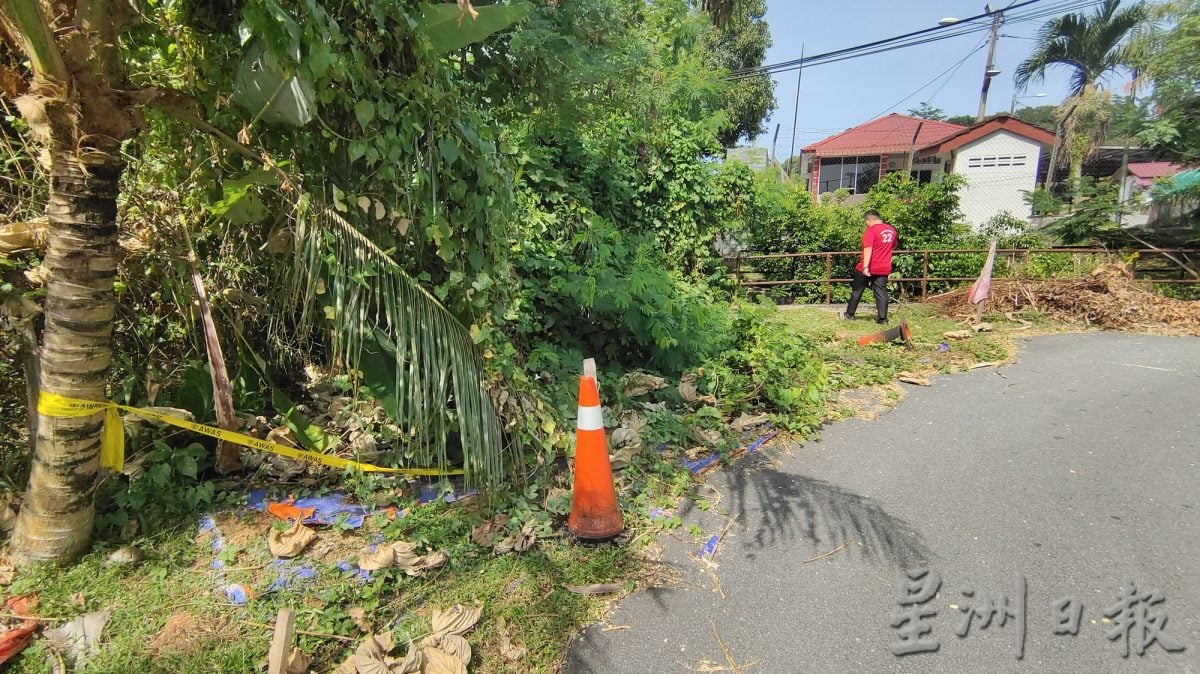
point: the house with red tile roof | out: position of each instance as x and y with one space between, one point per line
999 157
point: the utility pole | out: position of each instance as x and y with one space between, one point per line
774 141
989 70
795 112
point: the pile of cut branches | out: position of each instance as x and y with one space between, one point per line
1107 298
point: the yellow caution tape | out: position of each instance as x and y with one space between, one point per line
112 446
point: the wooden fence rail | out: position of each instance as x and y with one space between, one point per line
742 274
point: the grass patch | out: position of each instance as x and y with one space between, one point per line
877 365
170 614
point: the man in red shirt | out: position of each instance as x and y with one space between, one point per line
879 240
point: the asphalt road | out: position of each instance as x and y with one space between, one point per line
1075 470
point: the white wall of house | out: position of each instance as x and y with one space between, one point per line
999 168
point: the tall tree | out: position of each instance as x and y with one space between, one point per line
740 40
926 111
1045 116
1091 47
1171 59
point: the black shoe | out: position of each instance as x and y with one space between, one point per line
848 317
881 321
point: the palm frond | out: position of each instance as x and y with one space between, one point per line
418 359
1090 45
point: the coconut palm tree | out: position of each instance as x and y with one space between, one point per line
1091 47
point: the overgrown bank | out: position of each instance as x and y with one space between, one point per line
184 620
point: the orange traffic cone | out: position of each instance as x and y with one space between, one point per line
896 334
594 511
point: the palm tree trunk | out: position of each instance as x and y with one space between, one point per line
58 512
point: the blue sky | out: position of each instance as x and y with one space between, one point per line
836 96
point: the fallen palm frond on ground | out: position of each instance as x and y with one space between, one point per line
1107 298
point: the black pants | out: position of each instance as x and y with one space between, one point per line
858 283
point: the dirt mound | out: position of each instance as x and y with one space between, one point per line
185 633
1107 298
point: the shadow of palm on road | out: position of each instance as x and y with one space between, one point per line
779 508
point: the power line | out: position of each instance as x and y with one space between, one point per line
877 43
954 67
922 37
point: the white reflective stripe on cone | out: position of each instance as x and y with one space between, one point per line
590 419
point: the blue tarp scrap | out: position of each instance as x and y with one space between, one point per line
290 572
327 510
346 567
699 464
658 514
238 594
209 526
944 346
710 547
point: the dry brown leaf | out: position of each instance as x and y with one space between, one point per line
706 437
457 646
359 616
747 421
687 388
486 533
370 654
429 561
635 384
983 327
510 650
519 541
457 619
8 571
412 662
405 556
80 638
290 543
126 554
437 661
298 662
958 334
910 378
626 444
631 419
380 558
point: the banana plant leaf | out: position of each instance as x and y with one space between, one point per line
448 28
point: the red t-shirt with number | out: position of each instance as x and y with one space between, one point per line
881 239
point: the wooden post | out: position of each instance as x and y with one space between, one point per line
281 643
925 275
828 278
